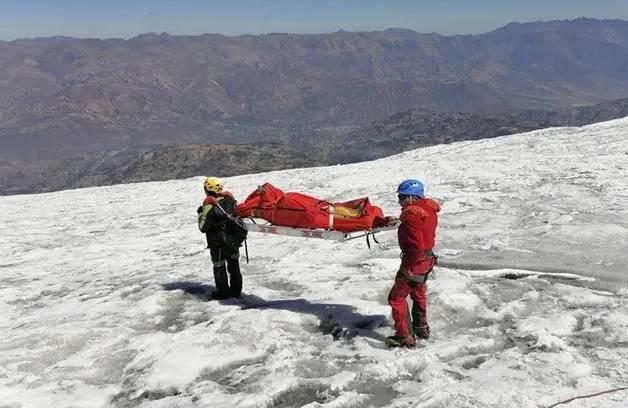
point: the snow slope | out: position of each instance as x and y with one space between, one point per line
103 290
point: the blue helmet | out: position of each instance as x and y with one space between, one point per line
411 188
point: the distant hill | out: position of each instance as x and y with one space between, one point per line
419 128
163 163
577 116
401 132
61 97
76 112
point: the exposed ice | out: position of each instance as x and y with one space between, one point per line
104 290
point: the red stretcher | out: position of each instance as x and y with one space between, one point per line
270 210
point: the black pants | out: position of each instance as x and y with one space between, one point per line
226 259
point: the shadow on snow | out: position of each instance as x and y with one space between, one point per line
198 290
341 321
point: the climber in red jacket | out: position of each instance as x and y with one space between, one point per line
416 235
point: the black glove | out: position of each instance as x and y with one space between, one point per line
199 209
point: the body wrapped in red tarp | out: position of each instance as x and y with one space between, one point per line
303 211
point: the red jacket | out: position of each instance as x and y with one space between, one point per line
417 234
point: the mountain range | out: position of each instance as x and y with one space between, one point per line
404 131
70 106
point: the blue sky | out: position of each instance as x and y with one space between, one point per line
118 18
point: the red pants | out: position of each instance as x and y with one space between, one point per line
397 300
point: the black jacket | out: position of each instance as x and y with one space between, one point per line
219 227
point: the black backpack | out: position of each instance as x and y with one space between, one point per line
236 231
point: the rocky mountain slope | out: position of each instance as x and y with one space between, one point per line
62 97
77 112
404 131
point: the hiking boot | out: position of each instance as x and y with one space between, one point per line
422 332
236 295
401 341
219 295
420 328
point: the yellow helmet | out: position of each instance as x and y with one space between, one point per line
214 185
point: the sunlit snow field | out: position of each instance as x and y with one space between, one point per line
103 291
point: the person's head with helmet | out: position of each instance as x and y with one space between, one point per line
410 191
213 186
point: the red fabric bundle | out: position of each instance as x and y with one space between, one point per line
303 211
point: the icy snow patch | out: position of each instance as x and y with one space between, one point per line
104 290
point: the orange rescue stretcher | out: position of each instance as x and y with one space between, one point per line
269 210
